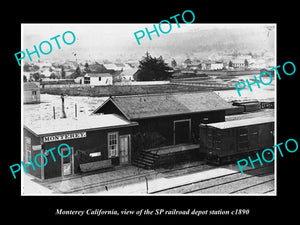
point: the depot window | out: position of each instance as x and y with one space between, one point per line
112 144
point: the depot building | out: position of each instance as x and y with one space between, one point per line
96 142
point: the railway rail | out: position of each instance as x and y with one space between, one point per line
149 174
217 184
249 182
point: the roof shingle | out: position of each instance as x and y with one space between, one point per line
145 106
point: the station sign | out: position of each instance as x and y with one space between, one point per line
62 137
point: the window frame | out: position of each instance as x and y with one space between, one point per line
113 152
27 147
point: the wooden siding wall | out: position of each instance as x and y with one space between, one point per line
95 141
229 139
28 96
34 141
165 125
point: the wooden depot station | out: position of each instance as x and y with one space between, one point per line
120 129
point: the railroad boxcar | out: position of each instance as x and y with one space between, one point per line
227 141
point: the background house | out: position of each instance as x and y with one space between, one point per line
217 65
98 79
128 74
31 93
238 63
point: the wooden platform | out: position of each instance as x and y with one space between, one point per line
166 156
173 149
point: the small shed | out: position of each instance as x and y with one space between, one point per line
96 142
31 93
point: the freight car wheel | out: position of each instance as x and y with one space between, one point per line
220 161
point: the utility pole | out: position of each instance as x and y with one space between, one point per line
63 106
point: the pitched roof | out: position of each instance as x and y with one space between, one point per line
95 122
98 75
129 72
238 61
111 66
146 106
240 123
28 86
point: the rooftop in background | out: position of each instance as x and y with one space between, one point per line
146 106
29 86
240 123
95 122
98 75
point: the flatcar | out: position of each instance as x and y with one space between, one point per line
227 141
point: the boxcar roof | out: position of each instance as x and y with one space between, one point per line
95 122
147 106
240 123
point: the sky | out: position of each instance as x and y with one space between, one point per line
107 41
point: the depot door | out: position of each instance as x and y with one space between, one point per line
67 163
182 131
124 149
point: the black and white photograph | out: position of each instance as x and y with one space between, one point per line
144 109
144 112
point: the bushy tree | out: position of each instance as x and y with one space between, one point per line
246 63
63 73
77 73
152 68
173 63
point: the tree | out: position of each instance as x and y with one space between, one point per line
36 76
53 76
188 61
26 67
173 63
63 72
246 63
152 68
230 64
77 73
87 68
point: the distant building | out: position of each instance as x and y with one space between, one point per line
27 75
133 64
238 63
112 66
31 93
128 74
194 66
45 73
216 66
98 79
212 65
176 117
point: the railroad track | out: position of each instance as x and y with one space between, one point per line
198 167
111 183
219 182
194 187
